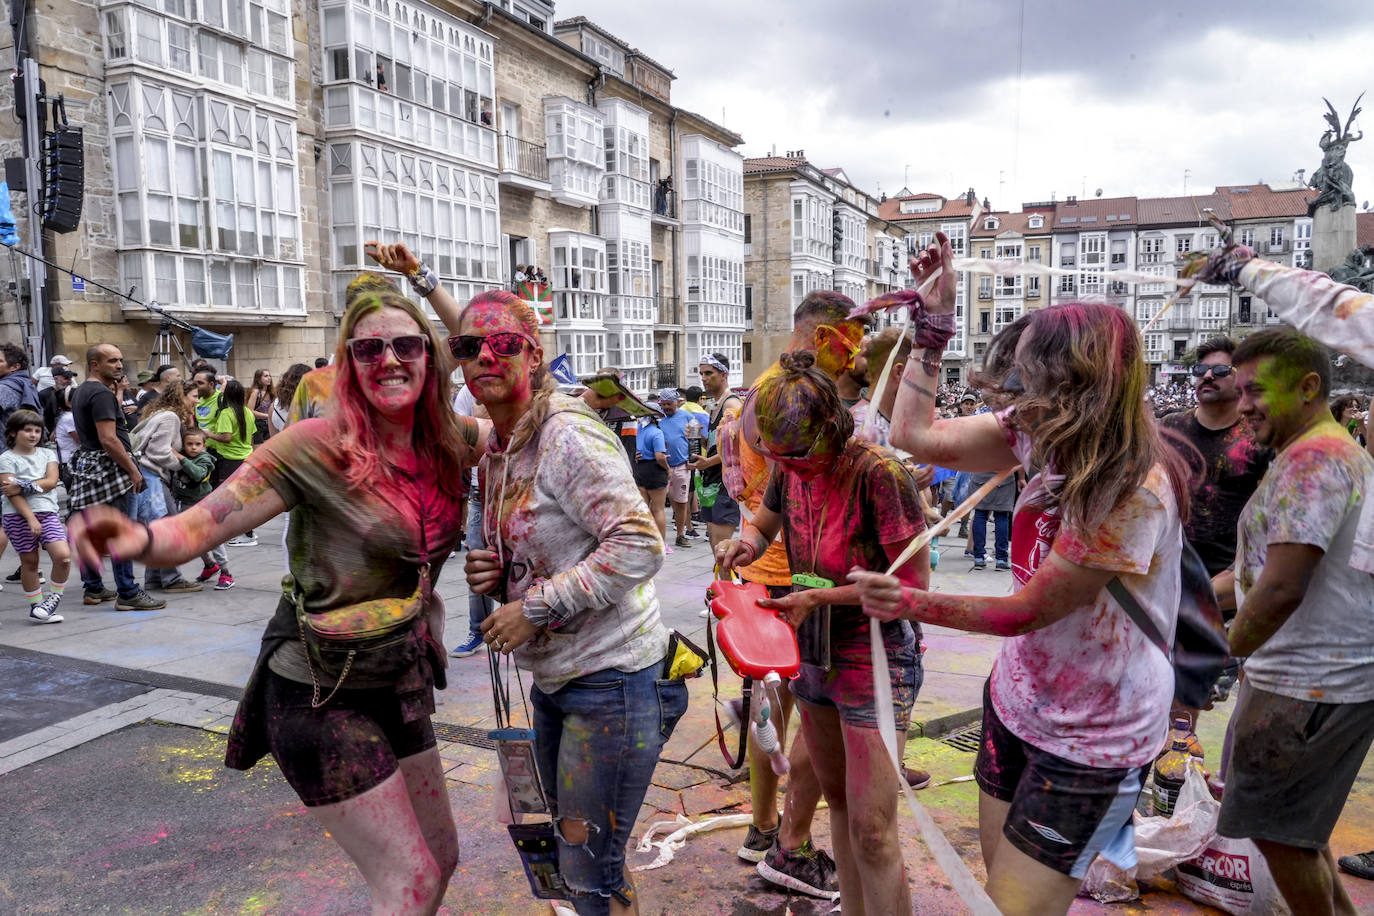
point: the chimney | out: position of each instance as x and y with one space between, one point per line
1071 200
970 198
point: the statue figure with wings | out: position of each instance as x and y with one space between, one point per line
1333 179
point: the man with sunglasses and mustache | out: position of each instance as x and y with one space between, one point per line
1233 462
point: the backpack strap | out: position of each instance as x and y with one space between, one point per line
739 759
1133 610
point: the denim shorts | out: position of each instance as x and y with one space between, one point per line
847 685
597 741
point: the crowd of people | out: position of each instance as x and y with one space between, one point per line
812 483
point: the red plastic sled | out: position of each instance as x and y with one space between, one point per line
754 639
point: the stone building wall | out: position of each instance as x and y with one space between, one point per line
768 269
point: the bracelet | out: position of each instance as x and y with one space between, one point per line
424 280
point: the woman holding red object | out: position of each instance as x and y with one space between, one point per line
841 503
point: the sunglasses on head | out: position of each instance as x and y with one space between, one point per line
1200 370
407 347
504 344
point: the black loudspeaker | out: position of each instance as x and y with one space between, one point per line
64 179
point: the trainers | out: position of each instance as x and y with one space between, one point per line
667 550
183 585
917 779
1003 565
808 870
100 597
45 611
1361 865
225 582
14 577
471 647
979 564
208 573
757 843
682 541
694 534
139 601
241 541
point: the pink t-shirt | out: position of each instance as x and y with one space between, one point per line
1091 688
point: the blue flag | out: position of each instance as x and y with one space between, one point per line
8 236
561 369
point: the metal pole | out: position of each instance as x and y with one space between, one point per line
31 109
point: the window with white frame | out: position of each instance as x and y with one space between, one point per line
630 349
730 343
444 212
586 350
955 347
713 185
1154 348
1092 279
1183 243
1247 237
925 237
1004 314
1275 237
1033 286
812 226
604 53
627 154
1033 254
1145 309
1094 250
985 287
205 190
408 72
1068 254
578 277
575 137
1212 313
957 233
240 47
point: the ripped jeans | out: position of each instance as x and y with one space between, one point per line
597 742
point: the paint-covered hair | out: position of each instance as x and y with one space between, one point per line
1295 353
541 383
366 283
1080 396
799 404
437 435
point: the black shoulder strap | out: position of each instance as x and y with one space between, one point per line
1117 588
740 758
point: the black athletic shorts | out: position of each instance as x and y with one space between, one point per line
650 475
1062 813
339 751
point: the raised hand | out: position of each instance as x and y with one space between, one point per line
395 257
938 259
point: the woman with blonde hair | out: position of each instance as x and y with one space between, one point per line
1077 706
375 491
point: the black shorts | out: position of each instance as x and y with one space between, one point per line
1062 813
650 475
349 745
1293 764
724 511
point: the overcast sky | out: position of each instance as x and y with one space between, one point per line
1122 96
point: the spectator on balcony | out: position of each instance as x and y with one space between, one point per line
662 193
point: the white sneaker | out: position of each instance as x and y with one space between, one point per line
241 541
45 611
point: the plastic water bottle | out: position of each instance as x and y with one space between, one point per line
1169 773
764 732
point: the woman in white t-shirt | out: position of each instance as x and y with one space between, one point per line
1077 705
64 431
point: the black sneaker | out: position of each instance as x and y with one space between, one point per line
808 870
757 843
17 574
1361 865
139 601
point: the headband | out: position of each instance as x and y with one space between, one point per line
709 359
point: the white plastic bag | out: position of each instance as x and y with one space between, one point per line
1232 875
1160 843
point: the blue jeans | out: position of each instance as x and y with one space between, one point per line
1002 525
149 506
597 742
125 583
479 606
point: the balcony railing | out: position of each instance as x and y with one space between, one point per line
665 375
669 311
524 158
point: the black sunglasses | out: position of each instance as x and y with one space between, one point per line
407 347
505 344
1200 370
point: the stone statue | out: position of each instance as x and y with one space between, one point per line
1333 179
1357 270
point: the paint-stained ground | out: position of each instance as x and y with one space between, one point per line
134 817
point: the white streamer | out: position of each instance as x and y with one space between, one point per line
682 828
